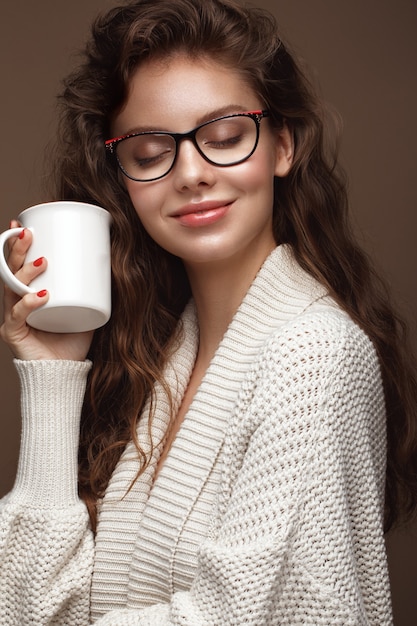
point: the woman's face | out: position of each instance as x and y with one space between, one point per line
200 212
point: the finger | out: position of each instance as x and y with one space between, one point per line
10 242
31 270
18 247
28 272
9 299
14 326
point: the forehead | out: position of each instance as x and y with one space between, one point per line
179 92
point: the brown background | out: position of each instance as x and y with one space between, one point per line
362 54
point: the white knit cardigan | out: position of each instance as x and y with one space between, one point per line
268 509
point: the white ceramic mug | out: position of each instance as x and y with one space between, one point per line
74 237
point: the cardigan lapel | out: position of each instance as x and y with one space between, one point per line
280 291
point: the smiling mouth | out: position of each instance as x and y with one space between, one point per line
200 208
202 214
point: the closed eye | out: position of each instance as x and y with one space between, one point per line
228 142
144 162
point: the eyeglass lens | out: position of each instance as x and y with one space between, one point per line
224 141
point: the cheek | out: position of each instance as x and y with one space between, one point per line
143 199
148 202
256 178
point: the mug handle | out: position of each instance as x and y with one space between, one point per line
5 273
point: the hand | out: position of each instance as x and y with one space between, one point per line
25 342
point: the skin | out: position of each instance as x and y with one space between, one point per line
221 258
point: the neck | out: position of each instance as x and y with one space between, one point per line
218 290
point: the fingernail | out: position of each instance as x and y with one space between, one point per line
42 294
38 262
22 234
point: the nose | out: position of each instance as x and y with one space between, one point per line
191 170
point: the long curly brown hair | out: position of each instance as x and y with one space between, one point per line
150 287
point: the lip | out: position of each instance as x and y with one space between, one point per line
197 214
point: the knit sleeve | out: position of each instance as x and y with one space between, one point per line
46 547
297 537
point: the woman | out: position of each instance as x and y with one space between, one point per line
235 413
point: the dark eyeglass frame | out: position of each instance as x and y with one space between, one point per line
257 116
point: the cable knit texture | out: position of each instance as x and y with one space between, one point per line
268 509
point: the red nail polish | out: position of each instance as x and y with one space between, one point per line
42 294
38 262
22 234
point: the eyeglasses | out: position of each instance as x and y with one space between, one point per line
224 141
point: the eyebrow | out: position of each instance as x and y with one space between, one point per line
228 109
